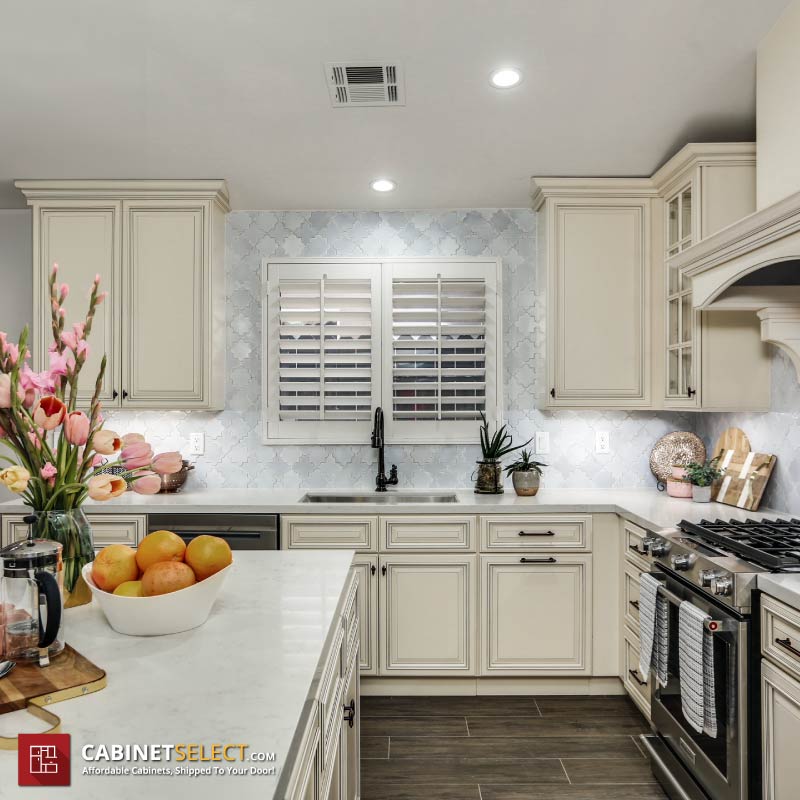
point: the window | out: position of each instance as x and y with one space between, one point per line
418 337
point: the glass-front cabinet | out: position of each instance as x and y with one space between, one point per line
681 317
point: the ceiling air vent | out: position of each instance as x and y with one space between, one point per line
365 83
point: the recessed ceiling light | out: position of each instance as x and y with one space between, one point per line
505 78
383 185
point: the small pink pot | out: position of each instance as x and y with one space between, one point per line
678 472
676 488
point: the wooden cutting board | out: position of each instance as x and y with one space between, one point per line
732 439
743 484
29 686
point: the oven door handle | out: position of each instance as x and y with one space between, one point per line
711 625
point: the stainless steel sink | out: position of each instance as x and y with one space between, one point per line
382 497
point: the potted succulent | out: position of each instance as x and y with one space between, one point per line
493 447
525 474
702 477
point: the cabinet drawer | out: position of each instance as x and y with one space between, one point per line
633 537
330 696
630 596
639 691
329 533
780 634
106 528
529 532
426 533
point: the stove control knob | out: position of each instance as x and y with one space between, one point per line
706 576
681 562
659 548
648 542
722 585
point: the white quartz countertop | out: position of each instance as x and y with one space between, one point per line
784 587
646 507
243 677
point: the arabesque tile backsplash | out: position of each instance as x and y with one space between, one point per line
234 454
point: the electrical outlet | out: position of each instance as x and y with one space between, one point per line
542 442
602 442
197 444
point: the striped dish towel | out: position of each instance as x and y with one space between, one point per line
653 630
696 670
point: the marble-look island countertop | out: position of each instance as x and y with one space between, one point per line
649 508
244 677
782 586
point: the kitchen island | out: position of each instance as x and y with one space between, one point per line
250 676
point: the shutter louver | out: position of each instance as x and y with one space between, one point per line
438 349
325 349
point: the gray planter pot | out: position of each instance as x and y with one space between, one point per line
701 494
526 483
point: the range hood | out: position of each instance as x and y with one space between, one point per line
753 265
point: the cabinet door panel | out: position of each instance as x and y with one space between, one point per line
84 242
536 614
367 568
599 296
428 615
780 698
166 279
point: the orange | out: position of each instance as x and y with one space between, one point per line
165 577
130 589
114 565
207 555
159 546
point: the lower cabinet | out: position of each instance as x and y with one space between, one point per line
351 735
536 614
366 566
428 606
780 706
107 529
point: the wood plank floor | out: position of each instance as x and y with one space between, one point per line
503 748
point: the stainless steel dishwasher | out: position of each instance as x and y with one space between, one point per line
240 531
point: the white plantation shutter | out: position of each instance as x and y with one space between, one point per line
323 363
442 322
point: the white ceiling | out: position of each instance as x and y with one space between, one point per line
235 89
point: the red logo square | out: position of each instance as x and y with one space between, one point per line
44 759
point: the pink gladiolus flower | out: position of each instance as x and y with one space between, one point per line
102 296
3 339
36 437
136 455
106 442
49 413
35 381
60 364
5 391
64 292
76 428
147 483
70 340
167 463
13 352
97 460
80 329
97 279
130 438
29 399
54 271
104 487
48 471
83 349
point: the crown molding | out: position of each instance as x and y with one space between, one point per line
543 188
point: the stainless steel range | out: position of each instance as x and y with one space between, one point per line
714 566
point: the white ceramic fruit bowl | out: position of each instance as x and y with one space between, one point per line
165 613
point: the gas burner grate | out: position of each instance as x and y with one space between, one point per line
774 544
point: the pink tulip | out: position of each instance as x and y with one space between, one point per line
147 483
76 428
106 442
104 486
130 438
167 463
136 455
49 413
48 471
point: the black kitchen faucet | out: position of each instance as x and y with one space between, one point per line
381 481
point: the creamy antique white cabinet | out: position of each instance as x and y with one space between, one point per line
159 249
536 614
780 699
428 610
594 245
367 568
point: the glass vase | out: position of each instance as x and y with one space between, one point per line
73 531
488 477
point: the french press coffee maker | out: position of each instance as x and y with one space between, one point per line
30 600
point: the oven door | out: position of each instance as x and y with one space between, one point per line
718 764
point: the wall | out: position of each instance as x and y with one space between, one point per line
15 277
777 115
234 455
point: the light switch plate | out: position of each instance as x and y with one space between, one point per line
197 444
602 442
542 442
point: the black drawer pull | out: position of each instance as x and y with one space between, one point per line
635 675
787 645
637 550
550 560
536 533
634 603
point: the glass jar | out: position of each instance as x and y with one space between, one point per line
489 477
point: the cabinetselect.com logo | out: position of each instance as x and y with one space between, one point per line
44 759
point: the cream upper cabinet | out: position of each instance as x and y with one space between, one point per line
706 187
159 249
428 608
594 243
536 614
